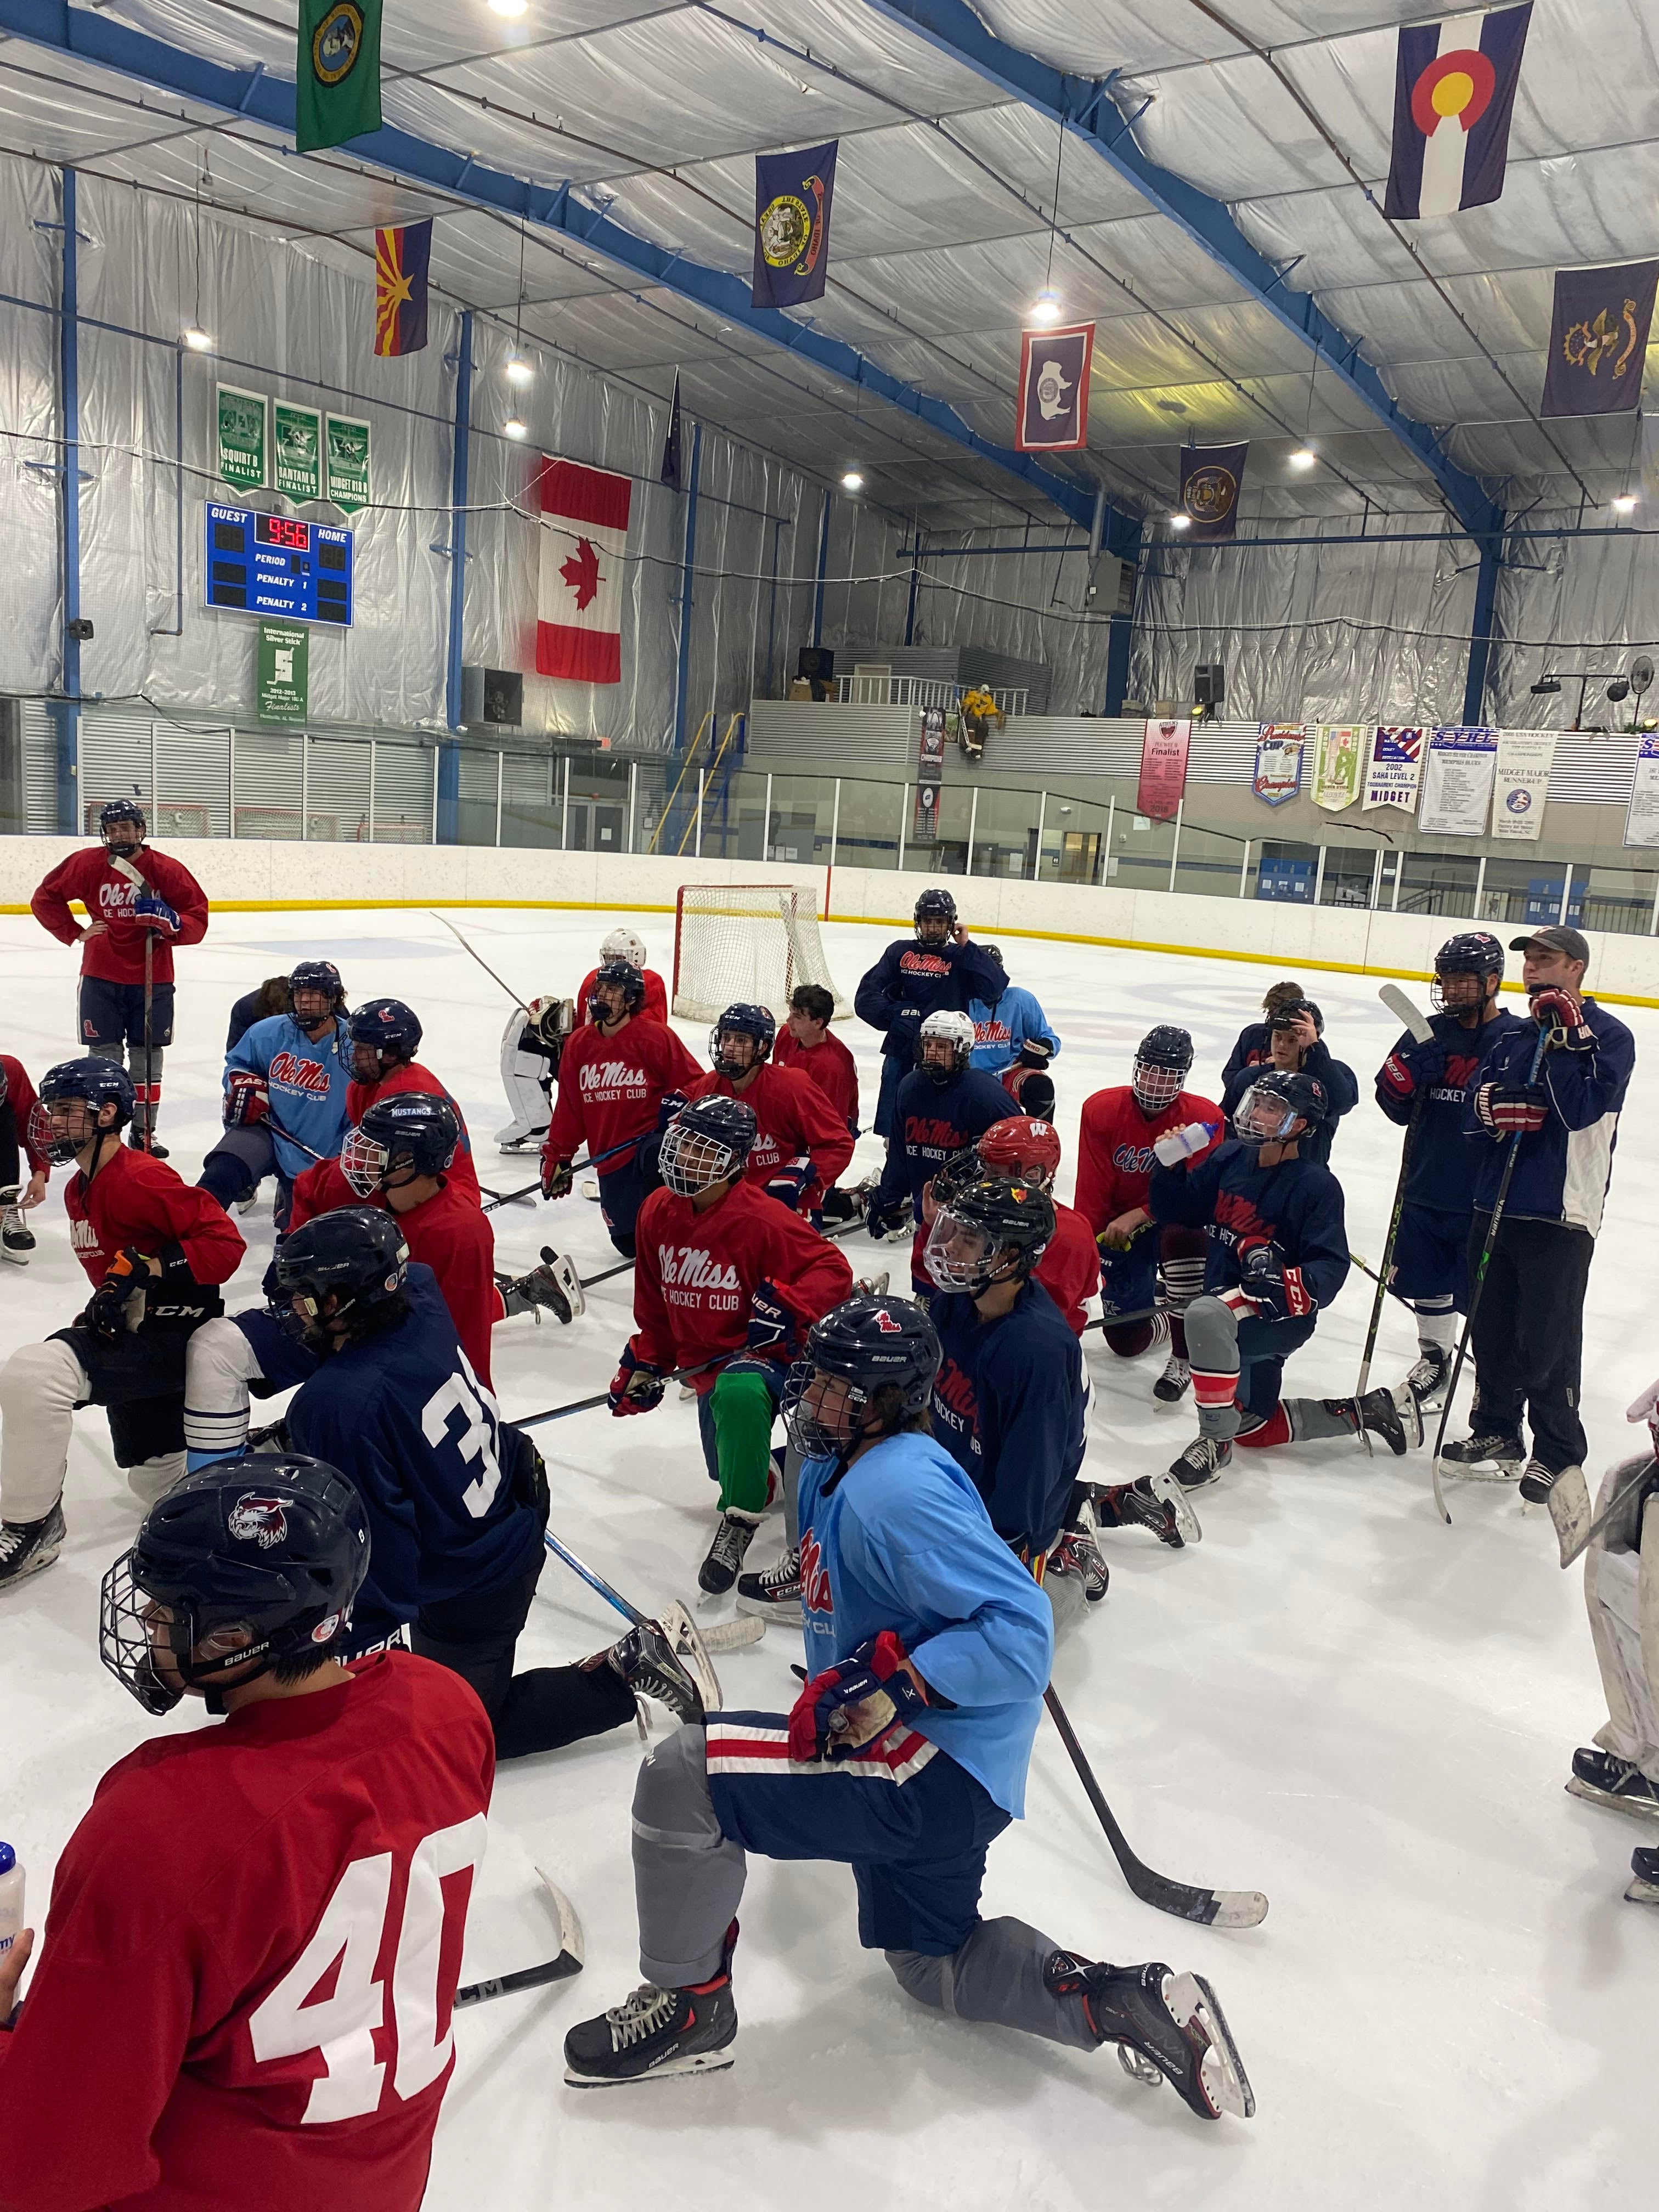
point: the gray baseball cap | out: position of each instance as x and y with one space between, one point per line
1556 938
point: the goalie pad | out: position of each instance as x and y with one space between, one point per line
532 1044
1621 1594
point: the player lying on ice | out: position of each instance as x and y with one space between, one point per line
927 1649
1277 1252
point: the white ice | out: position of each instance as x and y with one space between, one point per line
1333 1698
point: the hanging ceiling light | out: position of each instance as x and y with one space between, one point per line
1304 457
1046 307
512 427
507 7
1181 522
518 370
852 480
199 341
1624 503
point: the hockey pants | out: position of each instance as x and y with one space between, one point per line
1161 1267
1621 1591
1527 1337
226 1359
914 1826
110 1017
1238 1363
735 1420
242 1158
1430 1272
138 1377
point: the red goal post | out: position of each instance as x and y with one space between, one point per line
753 942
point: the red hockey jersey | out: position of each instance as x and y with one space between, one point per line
656 1008
794 1120
137 1200
1070 1269
829 1064
117 953
20 1097
610 1088
697 1272
1114 1149
173 2051
360 1097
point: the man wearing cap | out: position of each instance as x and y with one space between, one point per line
1558 1111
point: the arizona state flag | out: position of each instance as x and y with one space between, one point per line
1454 91
402 259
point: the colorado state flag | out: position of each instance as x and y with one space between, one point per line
1454 91
401 260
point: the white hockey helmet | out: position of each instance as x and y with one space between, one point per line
624 944
947 1027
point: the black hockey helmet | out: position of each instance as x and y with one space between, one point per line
742 1019
88 1082
416 1126
1289 1011
1162 1059
707 1141
625 977
1033 1093
357 1252
321 976
388 1031
251 1560
935 906
858 1349
1277 1098
994 1227
123 810
1474 952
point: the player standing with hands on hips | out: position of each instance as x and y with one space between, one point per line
139 903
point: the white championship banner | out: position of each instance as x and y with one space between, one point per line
1522 783
1642 822
1457 778
1396 764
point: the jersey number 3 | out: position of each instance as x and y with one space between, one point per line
351 1935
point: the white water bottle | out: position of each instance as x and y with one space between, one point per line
11 1899
1178 1144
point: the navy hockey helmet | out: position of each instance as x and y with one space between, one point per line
247 1566
414 1132
994 1227
1162 1059
357 1253
1276 1099
622 976
707 1141
1474 954
320 979
1032 1089
1289 1011
935 906
385 1033
858 1350
90 1083
117 811
742 1019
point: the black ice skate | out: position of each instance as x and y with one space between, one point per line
774 1593
1645 1878
1397 1418
1173 1384
728 1551
657 2032
1602 1778
1154 1502
1164 2024
646 1661
28 1547
1202 1462
1427 1379
1076 1553
555 1284
1538 1481
1485 1456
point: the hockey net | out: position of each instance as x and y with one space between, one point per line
754 942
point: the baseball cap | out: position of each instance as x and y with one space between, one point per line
1556 938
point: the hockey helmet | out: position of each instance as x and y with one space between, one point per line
620 976
859 1349
1032 1089
414 1130
1023 1145
248 1565
118 811
742 1019
357 1252
950 1176
1163 1060
89 1083
624 944
935 907
385 1033
1289 1011
317 979
951 1028
1473 953
992 1228
1281 994
707 1141
1275 1100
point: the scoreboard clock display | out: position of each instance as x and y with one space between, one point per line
273 564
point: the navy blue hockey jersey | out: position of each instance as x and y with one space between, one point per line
1296 1205
931 1122
1442 1174
1341 1089
1561 1171
911 981
1008 1407
404 1418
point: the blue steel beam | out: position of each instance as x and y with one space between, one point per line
269 100
1085 106
68 714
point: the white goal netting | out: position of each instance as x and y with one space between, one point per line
754 942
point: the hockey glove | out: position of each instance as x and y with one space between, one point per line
1177 1145
1035 1052
1507 1109
887 1222
109 1312
247 1098
788 1183
853 1702
1562 1012
558 1177
1412 1068
1277 1291
669 1106
155 915
636 1386
771 1325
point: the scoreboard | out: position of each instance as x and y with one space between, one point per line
273 564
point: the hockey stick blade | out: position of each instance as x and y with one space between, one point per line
732 1635
569 1961
1408 1016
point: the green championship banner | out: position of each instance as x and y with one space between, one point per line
296 440
241 437
284 670
347 451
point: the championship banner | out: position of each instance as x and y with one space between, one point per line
1164 747
930 776
1051 407
240 426
1642 820
793 195
401 259
1278 750
1457 780
578 599
296 438
1338 752
1522 783
1211 479
1599 339
347 480
337 73
1454 93
1395 765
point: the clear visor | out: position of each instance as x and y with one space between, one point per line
363 1164
1456 990
960 1255
689 1162
822 1414
1263 1117
1155 1087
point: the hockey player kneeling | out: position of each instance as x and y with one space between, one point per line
725 1281
927 1649
1277 1252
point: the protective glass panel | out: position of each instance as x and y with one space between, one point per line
1208 862
1350 872
1283 871
1432 884
1140 852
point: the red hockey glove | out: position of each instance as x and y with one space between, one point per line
636 1386
1505 1109
1562 1012
558 1177
247 1097
853 1702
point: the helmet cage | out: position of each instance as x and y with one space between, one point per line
365 1162
1462 1001
1155 1087
824 1412
691 1161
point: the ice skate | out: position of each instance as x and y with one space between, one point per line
555 1284
1485 1457
735 1534
1077 1553
774 1594
1164 2024
1173 1384
1393 1415
1538 1481
17 1239
646 1661
591 1189
246 1205
1602 1778
28 1547
1202 1462
1644 1886
657 2032
1426 1380
1154 1502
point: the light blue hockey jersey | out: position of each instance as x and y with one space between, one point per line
307 1085
904 1541
1000 1029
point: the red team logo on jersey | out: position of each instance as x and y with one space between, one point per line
1132 1159
814 1576
299 1074
256 1519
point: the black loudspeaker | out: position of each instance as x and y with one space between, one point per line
1209 685
816 663
492 696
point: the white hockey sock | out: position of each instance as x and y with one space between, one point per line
40 1386
1437 1324
219 1364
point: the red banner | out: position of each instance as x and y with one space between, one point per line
1162 770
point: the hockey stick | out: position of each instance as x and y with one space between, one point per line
1410 1017
724 1636
1384 1288
482 962
124 867
568 1962
1212 1908
1480 1282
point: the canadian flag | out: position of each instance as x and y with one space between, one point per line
579 600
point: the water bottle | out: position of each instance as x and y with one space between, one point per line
11 1899
1178 1144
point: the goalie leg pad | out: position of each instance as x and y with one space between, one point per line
1621 1594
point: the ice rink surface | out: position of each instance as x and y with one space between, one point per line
1333 1698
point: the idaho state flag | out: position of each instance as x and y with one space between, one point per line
793 196
1454 91
579 601
1599 330
401 260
